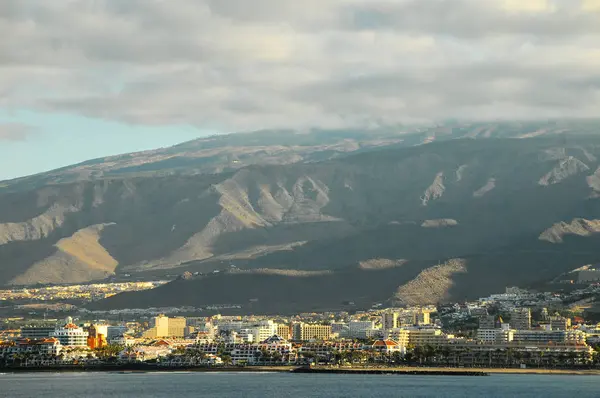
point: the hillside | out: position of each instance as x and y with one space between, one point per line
452 219
226 153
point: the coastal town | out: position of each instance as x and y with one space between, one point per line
514 329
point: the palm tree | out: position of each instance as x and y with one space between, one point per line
429 352
227 360
220 349
419 354
265 355
518 357
276 356
308 355
337 357
257 355
509 356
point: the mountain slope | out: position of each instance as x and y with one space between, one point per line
226 153
484 202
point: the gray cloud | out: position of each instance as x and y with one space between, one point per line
243 65
468 19
14 131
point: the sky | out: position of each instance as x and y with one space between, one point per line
81 79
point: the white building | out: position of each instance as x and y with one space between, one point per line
504 335
399 335
71 335
574 337
264 330
362 329
44 346
246 335
124 340
487 335
145 353
250 331
227 326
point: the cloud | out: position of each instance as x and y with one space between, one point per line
591 5
528 6
14 131
235 65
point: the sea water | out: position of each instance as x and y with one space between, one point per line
244 384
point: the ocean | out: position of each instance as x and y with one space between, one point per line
244 384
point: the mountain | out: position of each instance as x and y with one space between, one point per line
477 208
226 153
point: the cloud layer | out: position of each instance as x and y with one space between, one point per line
236 65
14 131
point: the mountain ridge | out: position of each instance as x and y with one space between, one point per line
469 199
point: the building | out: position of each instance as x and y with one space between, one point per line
259 330
414 317
95 338
226 326
423 318
176 327
231 337
388 347
567 337
144 353
114 332
124 340
273 350
159 327
201 336
100 329
71 335
163 326
245 335
407 318
328 348
263 330
284 331
389 321
520 318
558 323
511 354
37 332
477 311
502 335
340 328
361 329
487 322
425 336
487 335
399 335
306 331
43 346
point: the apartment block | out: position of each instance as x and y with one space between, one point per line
306 331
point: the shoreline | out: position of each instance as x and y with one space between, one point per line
424 371
143 368
459 371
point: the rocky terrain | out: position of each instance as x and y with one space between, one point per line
318 219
